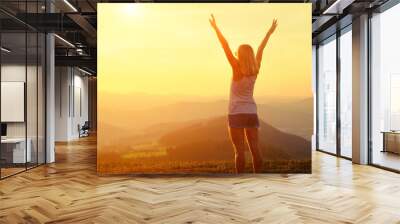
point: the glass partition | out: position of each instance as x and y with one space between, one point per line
385 89
327 95
31 100
14 153
41 109
22 88
346 93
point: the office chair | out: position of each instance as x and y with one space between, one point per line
84 130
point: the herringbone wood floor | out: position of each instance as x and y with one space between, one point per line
69 191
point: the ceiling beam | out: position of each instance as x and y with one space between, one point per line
337 6
81 61
84 24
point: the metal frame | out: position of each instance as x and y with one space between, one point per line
26 90
369 90
37 91
0 90
317 97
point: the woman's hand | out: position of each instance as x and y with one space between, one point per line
213 22
265 41
273 26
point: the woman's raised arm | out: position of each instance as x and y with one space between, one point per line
265 41
232 60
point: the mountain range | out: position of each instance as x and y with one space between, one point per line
294 117
208 139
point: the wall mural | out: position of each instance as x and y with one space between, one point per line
204 88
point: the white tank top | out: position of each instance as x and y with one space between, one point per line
241 100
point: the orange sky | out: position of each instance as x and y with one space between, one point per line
170 49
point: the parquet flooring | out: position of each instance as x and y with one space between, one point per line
70 191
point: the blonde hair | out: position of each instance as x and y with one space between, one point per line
247 60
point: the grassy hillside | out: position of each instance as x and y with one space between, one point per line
203 146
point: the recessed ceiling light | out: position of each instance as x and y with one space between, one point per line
70 5
65 41
338 6
5 50
84 71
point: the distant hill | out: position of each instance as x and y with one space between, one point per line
209 140
143 101
293 117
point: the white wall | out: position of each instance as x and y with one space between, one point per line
71 102
12 73
62 81
81 84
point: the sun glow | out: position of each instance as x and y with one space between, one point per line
154 41
132 10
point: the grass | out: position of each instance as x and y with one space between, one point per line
152 158
145 151
166 167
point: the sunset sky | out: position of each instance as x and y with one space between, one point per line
171 49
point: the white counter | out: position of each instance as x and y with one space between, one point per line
19 155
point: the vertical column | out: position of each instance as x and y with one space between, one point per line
360 89
314 91
50 92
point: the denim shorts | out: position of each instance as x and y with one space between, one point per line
243 121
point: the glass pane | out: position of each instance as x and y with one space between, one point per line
327 96
346 94
13 86
31 88
31 100
41 99
386 89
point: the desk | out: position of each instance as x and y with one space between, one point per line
391 141
17 150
